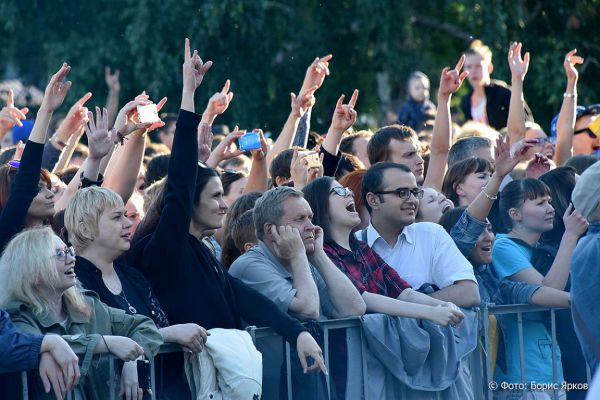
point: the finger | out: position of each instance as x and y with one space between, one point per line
206 67
10 102
186 52
294 157
106 72
98 118
91 121
302 357
225 87
15 112
326 58
140 394
576 60
77 373
161 103
104 118
83 99
462 76
340 102
526 58
460 63
569 210
60 74
353 99
46 382
229 97
64 88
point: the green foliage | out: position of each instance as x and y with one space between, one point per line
264 47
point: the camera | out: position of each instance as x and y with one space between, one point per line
250 141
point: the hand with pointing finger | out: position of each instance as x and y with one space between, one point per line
194 68
316 72
304 101
344 115
569 65
452 79
75 120
219 102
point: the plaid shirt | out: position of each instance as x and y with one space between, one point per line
367 271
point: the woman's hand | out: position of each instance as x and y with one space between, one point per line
64 358
52 376
10 115
57 90
194 68
307 346
124 348
575 224
130 387
226 149
191 337
445 315
100 141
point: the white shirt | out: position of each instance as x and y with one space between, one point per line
423 253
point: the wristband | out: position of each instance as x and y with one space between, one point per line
567 94
59 142
106 344
491 198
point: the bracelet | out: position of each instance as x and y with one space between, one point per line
59 142
120 137
567 94
491 198
106 344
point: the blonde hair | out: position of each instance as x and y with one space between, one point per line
477 47
474 128
84 210
28 273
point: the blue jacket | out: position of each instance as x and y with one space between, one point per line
18 351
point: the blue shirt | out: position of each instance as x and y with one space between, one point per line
508 258
18 351
585 286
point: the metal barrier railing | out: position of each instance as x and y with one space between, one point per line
357 353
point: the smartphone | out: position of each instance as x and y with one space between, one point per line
312 157
148 113
143 370
250 141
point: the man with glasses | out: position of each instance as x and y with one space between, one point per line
586 134
422 253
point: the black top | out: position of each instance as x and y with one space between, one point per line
136 290
497 95
24 189
192 286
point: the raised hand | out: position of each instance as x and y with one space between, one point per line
194 68
538 166
452 79
76 118
219 102
226 149
316 72
504 161
575 223
128 118
205 139
112 80
569 65
100 140
57 89
10 115
307 346
304 101
344 115
260 154
518 65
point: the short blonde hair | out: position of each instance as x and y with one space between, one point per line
28 273
474 128
477 47
84 210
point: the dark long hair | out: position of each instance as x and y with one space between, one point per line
459 171
561 182
515 194
8 173
316 194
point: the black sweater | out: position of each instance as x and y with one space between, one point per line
24 189
190 283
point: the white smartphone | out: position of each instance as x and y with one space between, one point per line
148 113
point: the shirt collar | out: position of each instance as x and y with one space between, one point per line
373 235
73 316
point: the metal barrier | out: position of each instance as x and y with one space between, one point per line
357 353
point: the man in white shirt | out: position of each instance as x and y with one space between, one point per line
422 253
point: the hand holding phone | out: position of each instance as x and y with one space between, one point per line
312 158
249 141
148 113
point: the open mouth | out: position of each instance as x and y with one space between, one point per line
351 207
486 249
70 272
446 208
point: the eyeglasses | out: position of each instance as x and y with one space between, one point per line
61 254
342 191
404 193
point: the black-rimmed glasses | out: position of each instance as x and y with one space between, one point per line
404 193
342 191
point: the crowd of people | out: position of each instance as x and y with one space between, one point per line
170 231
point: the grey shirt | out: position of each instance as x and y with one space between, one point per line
262 271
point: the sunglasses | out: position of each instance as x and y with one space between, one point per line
342 191
592 130
404 193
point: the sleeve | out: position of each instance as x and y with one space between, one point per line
512 292
449 264
19 351
465 233
23 190
258 274
327 306
508 258
345 268
137 327
50 156
174 223
394 284
258 310
301 138
330 162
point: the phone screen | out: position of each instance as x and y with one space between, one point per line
148 113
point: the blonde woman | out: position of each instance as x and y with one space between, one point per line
40 291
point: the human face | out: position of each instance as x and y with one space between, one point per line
582 142
482 252
407 152
418 89
236 189
545 146
298 214
471 186
342 209
537 215
113 234
135 212
210 208
433 206
392 209
479 70
65 265
42 205
58 187
359 149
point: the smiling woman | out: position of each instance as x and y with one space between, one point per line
465 179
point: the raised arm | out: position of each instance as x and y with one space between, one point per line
343 118
516 111
441 139
114 88
258 179
217 104
565 125
10 115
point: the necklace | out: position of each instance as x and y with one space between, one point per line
131 308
